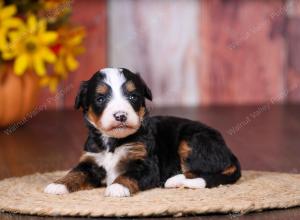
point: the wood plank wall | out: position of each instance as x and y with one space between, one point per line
293 50
195 52
159 39
244 46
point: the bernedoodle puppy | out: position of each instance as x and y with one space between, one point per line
128 151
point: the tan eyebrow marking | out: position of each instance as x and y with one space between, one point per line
130 86
102 89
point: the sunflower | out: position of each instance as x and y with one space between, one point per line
29 46
68 47
7 21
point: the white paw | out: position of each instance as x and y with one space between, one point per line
175 181
57 189
197 183
117 190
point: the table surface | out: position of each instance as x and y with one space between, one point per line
264 137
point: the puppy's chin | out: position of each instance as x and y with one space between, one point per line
120 132
117 130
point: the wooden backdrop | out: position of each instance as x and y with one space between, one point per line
195 52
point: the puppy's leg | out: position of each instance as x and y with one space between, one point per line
86 175
139 175
207 162
181 180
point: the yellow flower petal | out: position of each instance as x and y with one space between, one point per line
32 24
8 11
42 26
78 50
71 63
53 85
21 64
59 67
8 54
12 23
38 65
3 42
44 81
76 40
48 55
49 37
15 35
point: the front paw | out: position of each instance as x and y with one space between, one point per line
117 190
175 181
55 188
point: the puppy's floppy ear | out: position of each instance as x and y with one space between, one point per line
146 90
81 98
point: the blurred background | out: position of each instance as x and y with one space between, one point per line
190 52
193 52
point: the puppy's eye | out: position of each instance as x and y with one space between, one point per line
133 97
100 99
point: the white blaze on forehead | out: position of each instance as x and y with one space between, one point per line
118 102
115 79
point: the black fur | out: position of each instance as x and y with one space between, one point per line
93 174
209 157
142 87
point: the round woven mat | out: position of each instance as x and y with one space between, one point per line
255 191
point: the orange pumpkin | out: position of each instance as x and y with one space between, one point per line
18 95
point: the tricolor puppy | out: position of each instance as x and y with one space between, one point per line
129 151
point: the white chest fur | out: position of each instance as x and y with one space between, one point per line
110 161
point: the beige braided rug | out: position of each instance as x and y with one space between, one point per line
254 192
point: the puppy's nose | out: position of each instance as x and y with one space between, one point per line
120 116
